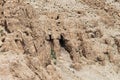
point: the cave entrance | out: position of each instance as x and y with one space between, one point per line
62 41
51 41
63 44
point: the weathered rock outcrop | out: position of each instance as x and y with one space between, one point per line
37 34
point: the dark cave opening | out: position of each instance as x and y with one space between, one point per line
51 41
62 41
50 38
63 44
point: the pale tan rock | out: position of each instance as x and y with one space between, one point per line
40 39
76 66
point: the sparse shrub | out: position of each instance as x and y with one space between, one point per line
53 55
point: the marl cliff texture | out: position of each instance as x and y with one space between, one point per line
59 39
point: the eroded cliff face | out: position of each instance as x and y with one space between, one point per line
59 39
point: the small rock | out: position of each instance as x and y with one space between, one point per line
76 66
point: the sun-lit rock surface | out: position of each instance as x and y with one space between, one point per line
59 39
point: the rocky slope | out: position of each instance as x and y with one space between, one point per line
59 39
